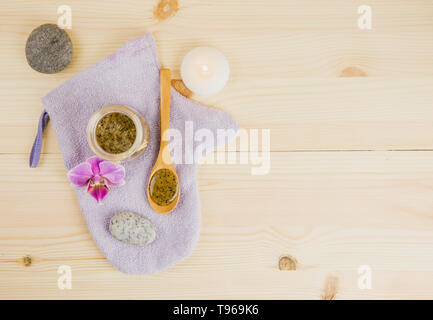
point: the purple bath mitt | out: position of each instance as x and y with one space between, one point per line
130 77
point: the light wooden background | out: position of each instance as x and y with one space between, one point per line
351 182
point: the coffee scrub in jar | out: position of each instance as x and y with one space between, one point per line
117 133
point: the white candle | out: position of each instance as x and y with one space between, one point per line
205 70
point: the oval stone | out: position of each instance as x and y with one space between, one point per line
48 49
132 228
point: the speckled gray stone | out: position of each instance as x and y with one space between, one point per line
49 49
132 228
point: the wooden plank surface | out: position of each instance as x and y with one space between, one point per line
351 165
337 211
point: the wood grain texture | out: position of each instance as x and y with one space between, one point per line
332 211
351 177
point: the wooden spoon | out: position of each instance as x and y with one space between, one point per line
164 160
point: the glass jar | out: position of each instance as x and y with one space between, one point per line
122 119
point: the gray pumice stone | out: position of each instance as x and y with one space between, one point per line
132 228
49 49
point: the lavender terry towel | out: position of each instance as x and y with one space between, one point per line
130 77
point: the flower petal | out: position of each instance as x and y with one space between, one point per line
80 175
94 163
112 173
98 191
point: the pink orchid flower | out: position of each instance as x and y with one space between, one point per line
98 175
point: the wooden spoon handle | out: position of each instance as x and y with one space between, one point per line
165 87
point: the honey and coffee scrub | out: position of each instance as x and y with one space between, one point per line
117 133
163 187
